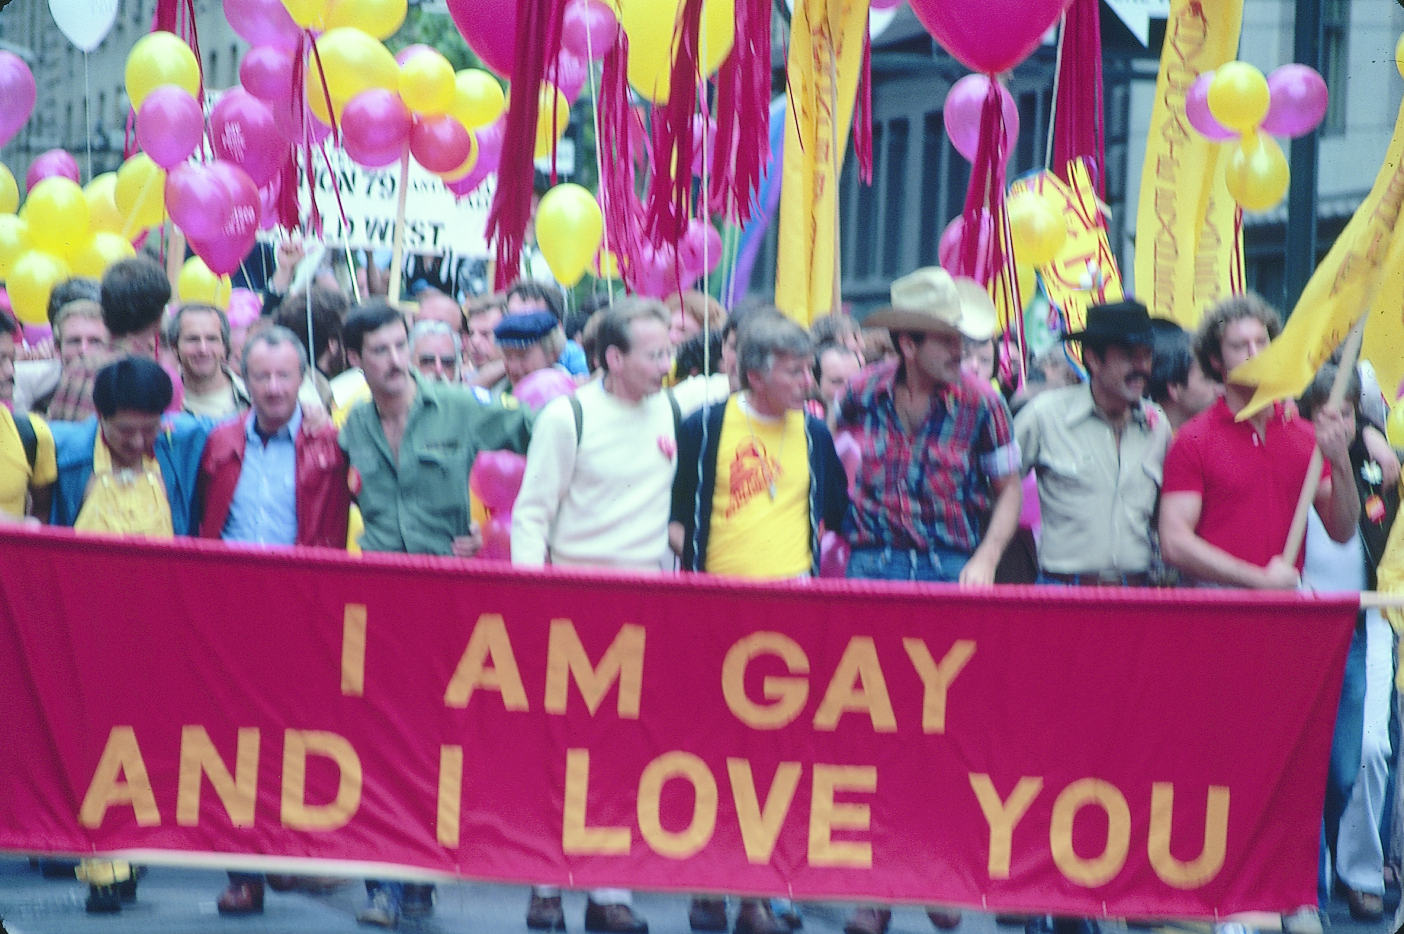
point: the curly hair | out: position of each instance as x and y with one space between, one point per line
1208 340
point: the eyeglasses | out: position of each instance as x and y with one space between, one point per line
431 359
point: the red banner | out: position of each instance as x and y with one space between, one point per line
1076 751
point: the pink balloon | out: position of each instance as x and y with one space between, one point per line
169 125
244 308
266 72
375 126
490 140
497 538
226 250
197 201
700 248
834 553
490 29
243 131
964 107
291 118
571 74
440 144
1298 101
949 249
989 36
884 4
53 163
262 22
17 95
1197 110
657 273
410 51
538 388
589 29
469 183
37 333
268 203
496 478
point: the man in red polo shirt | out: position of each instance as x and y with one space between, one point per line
1231 487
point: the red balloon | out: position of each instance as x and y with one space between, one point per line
469 183
262 22
224 252
49 164
496 478
589 28
266 72
375 126
540 387
989 36
440 144
571 74
490 29
949 249
497 538
700 248
243 131
198 201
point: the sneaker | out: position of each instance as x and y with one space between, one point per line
613 919
544 913
383 910
103 900
1305 920
707 914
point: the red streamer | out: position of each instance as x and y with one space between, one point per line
743 115
1077 125
863 114
985 197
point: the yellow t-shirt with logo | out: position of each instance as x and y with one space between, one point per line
16 476
759 530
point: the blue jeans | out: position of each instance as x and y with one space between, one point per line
1345 757
941 565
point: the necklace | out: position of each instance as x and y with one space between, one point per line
766 472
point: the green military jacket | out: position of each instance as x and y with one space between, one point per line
419 504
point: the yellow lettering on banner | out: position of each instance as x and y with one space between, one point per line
353 650
1205 866
826 816
689 768
857 684
789 694
450 793
296 812
760 826
623 660
238 793
576 837
121 756
1002 816
936 679
1083 793
488 641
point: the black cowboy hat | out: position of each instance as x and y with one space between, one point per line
1124 322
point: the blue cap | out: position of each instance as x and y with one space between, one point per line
525 328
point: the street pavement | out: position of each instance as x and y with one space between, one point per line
182 901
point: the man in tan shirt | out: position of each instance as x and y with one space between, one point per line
1097 449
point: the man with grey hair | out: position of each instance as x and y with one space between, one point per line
436 349
200 336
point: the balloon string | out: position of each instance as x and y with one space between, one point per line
1053 107
88 114
599 162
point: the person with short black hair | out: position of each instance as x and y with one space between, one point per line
1178 383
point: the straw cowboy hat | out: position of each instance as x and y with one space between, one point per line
931 299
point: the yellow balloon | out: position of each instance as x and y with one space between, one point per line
196 283
1038 233
718 33
140 194
31 280
9 192
14 242
550 122
1399 56
649 25
427 83
1394 425
379 19
1257 175
317 100
569 227
478 99
1238 96
468 163
101 194
606 265
57 213
160 58
354 62
309 14
102 250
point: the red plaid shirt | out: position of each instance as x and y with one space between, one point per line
932 488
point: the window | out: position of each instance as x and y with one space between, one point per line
212 73
1335 28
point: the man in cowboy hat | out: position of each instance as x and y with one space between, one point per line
1097 449
937 494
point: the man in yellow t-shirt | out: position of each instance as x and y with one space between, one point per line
27 463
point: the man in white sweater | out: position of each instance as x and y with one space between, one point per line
596 493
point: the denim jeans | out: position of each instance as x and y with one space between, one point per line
941 565
1345 758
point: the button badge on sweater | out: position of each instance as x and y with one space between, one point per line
1375 508
667 446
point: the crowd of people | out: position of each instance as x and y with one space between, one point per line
706 441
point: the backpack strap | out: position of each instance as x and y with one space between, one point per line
28 438
677 414
579 419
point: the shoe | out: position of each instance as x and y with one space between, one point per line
545 914
707 914
126 889
1305 920
58 868
945 919
242 898
1365 906
418 900
103 900
613 919
383 910
868 921
755 917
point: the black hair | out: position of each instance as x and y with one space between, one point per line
133 383
8 325
690 360
371 315
1318 392
547 295
1174 356
616 325
328 309
822 348
72 290
134 293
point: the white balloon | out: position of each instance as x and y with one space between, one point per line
85 22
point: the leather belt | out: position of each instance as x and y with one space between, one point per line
1101 579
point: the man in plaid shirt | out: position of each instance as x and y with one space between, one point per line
938 491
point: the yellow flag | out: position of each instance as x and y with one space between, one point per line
1185 223
1348 281
826 49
